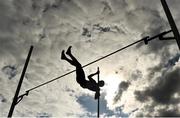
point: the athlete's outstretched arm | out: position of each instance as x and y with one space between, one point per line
91 75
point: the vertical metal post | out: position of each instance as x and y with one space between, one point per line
171 22
98 98
20 83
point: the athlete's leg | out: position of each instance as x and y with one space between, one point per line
75 61
80 75
63 57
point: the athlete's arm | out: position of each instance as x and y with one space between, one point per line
91 75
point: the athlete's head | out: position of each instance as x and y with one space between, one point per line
101 83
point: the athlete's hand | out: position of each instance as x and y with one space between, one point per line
98 72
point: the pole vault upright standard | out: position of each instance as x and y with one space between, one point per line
18 98
171 22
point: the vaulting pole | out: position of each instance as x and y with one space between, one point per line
98 97
171 22
15 99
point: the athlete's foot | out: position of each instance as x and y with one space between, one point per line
69 50
63 56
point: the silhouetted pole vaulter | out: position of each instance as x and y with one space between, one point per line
98 96
171 22
80 75
17 98
145 40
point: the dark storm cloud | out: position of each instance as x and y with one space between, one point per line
137 74
101 28
172 61
164 65
86 32
163 91
123 86
10 71
91 106
156 69
2 98
141 96
169 113
93 29
154 110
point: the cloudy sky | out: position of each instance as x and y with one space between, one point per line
143 80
